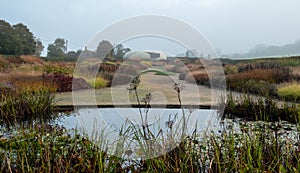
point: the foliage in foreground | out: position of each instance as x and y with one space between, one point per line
22 106
246 148
259 109
290 91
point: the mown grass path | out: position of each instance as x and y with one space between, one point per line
160 86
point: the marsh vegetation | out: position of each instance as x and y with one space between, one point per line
253 136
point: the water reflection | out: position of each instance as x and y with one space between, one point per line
91 119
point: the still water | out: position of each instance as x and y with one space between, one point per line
91 119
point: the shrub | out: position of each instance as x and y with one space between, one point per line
262 65
107 75
4 65
257 87
27 83
99 82
79 84
57 69
32 59
269 75
108 67
230 69
200 77
14 59
182 76
290 91
65 82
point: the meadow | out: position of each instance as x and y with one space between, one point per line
277 78
255 134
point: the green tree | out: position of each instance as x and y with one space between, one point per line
191 53
61 43
119 51
39 47
26 37
10 44
57 49
104 49
73 54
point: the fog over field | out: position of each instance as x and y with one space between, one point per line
232 26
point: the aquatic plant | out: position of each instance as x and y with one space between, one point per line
16 107
252 108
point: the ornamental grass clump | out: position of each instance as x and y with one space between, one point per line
20 106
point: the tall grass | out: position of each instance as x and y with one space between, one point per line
97 83
269 75
233 147
259 109
258 147
290 91
244 147
17 107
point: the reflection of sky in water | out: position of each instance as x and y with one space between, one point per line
91 119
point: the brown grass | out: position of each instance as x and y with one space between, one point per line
199 77
32 83
32 59
295 70
178 68
269 75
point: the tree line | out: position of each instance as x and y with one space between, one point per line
18 40
105 49
262 50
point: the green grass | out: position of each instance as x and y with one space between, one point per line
243 147
290 91
97 83
258 109
235 146
290 61
157 72
48 69
16 107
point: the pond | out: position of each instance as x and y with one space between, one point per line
116 124
125 126
91 119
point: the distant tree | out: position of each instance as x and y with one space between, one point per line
104 49
87 53
61 43
57 49
26 37
54 51
191 53
39 47
73 54
10 44
16 39
258 50
119 51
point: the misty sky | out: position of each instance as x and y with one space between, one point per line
230 25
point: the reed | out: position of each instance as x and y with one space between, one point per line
17 107
235 146
252 108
